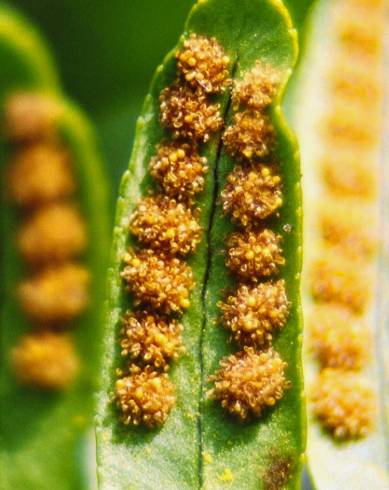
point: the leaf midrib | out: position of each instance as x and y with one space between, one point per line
208 267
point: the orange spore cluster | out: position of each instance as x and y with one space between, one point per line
145 397
252 254
257 89
336 278
45 360
249 382
189 114
54 233
158 280
151 339
354 84
253 313
40 173
348 224
343 127
164 224
348 175
167 226
337 338
344 403
203 63
250 137
179 170
252 194
30 115
360 36
57 294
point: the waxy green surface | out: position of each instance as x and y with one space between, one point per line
199 446
42 435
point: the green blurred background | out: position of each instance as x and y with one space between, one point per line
106 52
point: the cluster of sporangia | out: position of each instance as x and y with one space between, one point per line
166 225
51 236
254 378
340 279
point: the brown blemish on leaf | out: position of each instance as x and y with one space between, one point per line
278 473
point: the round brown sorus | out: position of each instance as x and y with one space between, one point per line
45 360
347 127
151 339
57 294
252 314
179 170
203 63
53 233
145 397
347 175
40 173
336 278
257 88
249 382
252 254
337 338
164 224
158 281
250 137
30 116
344 403
358 36
350 225
251 194
188 114
354 82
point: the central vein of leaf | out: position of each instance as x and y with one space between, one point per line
215 195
